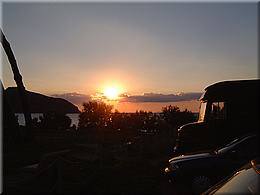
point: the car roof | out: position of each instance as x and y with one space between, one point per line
233 89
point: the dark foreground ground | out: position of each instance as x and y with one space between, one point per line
72 165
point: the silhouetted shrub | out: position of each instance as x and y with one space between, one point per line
55 121
95 115
175 117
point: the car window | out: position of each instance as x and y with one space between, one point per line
217 111
202 111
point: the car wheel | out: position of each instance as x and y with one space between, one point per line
200 184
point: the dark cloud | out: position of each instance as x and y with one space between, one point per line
155 97
123 95
78 99
75 98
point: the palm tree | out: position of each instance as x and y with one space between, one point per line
19 82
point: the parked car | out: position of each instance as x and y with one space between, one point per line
228 109
244 181
200 171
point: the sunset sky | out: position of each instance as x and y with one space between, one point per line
140 47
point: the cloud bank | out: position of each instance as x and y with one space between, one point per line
78 99
156 97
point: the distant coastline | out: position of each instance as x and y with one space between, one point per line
43 104
39 103
156 107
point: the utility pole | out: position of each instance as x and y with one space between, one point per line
19 82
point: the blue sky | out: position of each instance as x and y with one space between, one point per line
144 47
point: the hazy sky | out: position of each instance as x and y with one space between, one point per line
144 47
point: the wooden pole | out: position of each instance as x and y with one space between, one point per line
19 82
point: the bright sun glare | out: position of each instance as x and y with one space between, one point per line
112 93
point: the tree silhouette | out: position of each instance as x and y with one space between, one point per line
95 115
175 117
56 121
118 120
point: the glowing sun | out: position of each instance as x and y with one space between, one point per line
112 93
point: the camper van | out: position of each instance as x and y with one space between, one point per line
228 109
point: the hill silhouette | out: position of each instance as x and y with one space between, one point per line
39 103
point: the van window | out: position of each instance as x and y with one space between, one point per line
217 110
202 112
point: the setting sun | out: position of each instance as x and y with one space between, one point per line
112 93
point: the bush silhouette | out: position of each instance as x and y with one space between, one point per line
175 117
55 121
95 115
